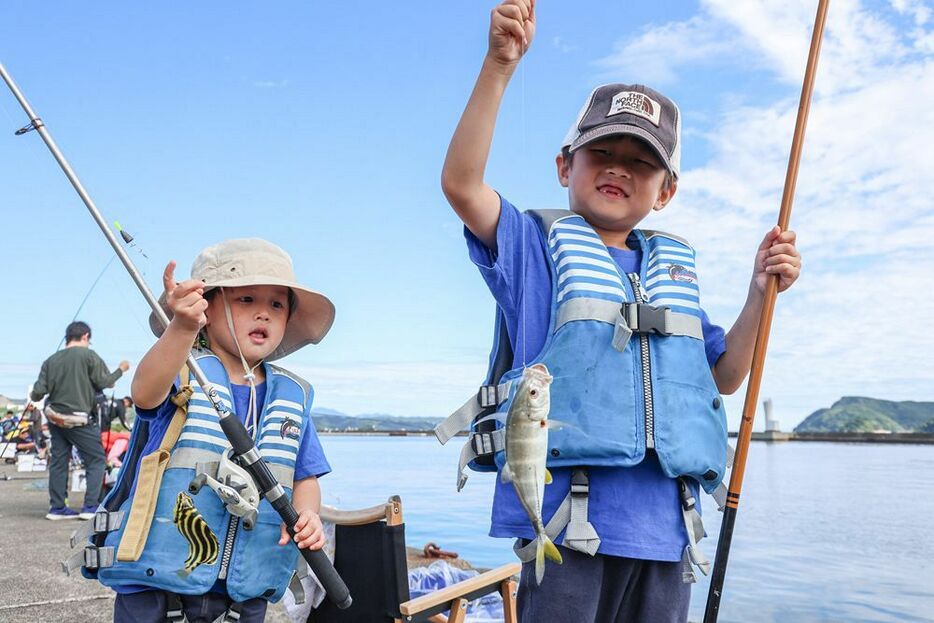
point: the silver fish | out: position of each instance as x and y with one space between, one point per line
526 451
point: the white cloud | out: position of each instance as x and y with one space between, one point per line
854 324
918 10
773 35
655 54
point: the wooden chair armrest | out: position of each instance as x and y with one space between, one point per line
469 589
354 517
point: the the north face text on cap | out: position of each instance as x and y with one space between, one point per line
636 104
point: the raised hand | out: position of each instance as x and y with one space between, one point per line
185 300
512 28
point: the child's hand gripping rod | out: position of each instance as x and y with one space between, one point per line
238 436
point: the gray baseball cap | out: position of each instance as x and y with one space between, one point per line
633 109
254 262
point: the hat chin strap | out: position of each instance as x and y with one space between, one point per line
248 375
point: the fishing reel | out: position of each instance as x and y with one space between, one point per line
232 484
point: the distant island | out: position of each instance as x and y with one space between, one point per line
332 421
857 414
849 415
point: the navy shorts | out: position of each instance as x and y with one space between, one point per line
150 607
603 589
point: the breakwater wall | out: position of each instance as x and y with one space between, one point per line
915 438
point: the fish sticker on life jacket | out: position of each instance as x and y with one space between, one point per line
290 429
202 544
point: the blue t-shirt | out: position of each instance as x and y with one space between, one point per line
310 461
635 510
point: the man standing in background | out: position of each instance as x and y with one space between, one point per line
71 378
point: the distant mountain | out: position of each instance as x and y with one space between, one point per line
856 414
330 420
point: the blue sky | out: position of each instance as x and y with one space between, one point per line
323 127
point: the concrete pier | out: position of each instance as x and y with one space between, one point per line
32 585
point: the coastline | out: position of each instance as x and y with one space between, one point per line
901 438
770 436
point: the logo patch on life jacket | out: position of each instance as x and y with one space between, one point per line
677 272
290 429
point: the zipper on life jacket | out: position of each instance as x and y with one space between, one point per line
642 297
232 526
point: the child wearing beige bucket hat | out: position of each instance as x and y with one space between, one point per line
241 309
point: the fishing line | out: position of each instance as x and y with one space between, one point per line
523 170
128 239
88 294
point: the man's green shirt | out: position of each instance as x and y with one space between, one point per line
71 377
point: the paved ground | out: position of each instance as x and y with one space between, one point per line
32 586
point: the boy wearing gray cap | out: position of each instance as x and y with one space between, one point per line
614 314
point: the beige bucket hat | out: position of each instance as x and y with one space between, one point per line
253 262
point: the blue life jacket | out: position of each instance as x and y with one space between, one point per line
630 373
628 359
250 561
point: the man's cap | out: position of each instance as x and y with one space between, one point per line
256 262
630 109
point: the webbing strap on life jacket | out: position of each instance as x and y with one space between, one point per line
149 478
719 494
488 396
637 317
89 557
572 513
295 584
479 444
102 523
175 611
694 527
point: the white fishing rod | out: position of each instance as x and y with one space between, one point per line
243 447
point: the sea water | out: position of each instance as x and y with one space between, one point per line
825 531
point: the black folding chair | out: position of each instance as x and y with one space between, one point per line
370 556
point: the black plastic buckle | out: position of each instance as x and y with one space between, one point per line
648 318
688 502
488 396
580 483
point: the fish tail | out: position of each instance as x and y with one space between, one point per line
540 559
551 550
545 549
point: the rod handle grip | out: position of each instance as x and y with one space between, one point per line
319 562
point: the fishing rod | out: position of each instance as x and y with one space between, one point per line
762 338
241 441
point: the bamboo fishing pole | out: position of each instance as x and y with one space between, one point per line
762 338
240 440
